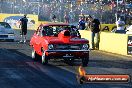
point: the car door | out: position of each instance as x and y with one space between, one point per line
38 41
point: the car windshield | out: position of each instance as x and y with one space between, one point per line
55 30
6 25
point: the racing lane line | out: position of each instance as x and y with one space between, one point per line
13 74
89 71
21 54
61 75
87 86
64 68
124 57
52 75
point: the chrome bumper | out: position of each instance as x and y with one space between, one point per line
7 36
67 50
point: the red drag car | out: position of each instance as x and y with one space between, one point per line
59 40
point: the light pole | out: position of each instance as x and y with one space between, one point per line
117 10
101 2
38 8
13 6
23 7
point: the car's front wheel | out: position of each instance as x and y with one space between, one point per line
44 58
35 56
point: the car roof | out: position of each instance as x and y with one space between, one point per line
55 24
5 24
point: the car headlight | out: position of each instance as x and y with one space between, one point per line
50 47
85 46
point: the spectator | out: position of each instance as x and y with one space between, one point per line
81 23
23 25
120 24
94 25
71 14
129 18
53 17
86 23
66 17
123 15
83 16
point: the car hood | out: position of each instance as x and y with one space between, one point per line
57 40
5 30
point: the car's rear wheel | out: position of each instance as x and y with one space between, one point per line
35 56
44 58
85 61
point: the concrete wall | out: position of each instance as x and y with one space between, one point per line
115 43
86 34
110 42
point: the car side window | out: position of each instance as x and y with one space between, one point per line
50 31
43 32
47 31
38 32
6 25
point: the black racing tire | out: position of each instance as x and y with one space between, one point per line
44 58
35 56
85 61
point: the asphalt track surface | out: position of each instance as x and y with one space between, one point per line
18 70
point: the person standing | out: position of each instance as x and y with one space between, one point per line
120 24
66 18
54 17
81 23
23 26
94 25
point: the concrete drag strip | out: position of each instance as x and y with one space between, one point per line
58 74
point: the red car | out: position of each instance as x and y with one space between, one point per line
59 40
